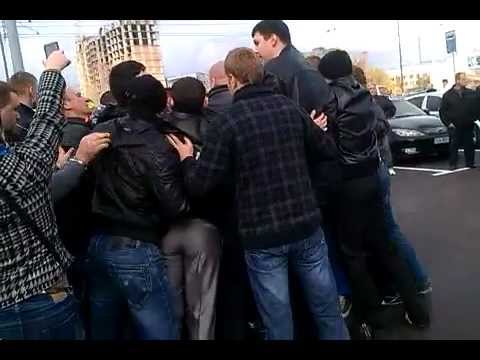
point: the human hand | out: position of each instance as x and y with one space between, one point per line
320 120
63 156
56 61
184 149
91 145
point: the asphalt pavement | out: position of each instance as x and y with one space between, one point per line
439 212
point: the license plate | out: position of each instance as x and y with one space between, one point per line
410 151
441 140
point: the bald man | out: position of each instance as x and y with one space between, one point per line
219 98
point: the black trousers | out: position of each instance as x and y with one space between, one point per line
361 230
458 137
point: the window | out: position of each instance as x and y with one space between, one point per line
433 103
417 101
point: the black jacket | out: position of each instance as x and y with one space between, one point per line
108 112
138 186
74 130
25 117
262 144
300 82
219 99
217 205
354 124
458 108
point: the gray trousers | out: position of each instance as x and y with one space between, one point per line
192 250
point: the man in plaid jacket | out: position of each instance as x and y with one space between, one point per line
262 143
35 302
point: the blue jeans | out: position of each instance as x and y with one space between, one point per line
405 248
129 282
42 317
268 273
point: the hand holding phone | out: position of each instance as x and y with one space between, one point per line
50 47
56 61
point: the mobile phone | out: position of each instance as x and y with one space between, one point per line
50 47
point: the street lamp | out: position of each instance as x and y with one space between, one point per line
400 55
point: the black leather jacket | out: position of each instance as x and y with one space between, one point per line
300 81
354 122
138 181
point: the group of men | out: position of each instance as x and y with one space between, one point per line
190 214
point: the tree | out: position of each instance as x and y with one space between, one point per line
379 77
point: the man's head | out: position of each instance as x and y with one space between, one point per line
270 37
217 74
372 87
243 67
107 98
188 95
8 103
359 75
25 85
120 77
313 60
445 82
336 64
461 79
75 105
145 97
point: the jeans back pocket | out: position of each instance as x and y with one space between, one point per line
135 284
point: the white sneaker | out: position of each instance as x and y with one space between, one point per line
392 172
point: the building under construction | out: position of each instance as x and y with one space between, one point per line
117 42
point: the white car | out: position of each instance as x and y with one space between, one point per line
427 101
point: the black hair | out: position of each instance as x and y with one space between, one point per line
188 94
146 97
120 76
268 27
107 98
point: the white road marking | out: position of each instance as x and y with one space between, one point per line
417 169
461 150
448 172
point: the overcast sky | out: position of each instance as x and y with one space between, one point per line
193 45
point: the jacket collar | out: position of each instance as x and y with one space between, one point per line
217 90
23 107
251 91
77 121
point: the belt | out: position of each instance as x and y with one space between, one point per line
121 242
60 290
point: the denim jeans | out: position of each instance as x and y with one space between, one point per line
129 281
405 248
42 317
268 273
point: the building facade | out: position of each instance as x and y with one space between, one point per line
120 41
198 75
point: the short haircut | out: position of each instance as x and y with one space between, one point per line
120 76
267 28
107 98
244 65
445 80
359 75
458 75
5 94
22 81
188 94
146 96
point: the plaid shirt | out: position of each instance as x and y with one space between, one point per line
260 145
26 266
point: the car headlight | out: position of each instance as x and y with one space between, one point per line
407 132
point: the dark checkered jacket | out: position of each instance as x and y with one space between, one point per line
26 266
260 143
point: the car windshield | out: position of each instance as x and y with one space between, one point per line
405 109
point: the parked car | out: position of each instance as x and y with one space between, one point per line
414 132
430 103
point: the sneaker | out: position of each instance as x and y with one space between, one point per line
391 172
426 289
417 325
392 300
345 306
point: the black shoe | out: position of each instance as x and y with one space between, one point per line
345 306
392 300
451 168
471 166
425 289
418 324
382 317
